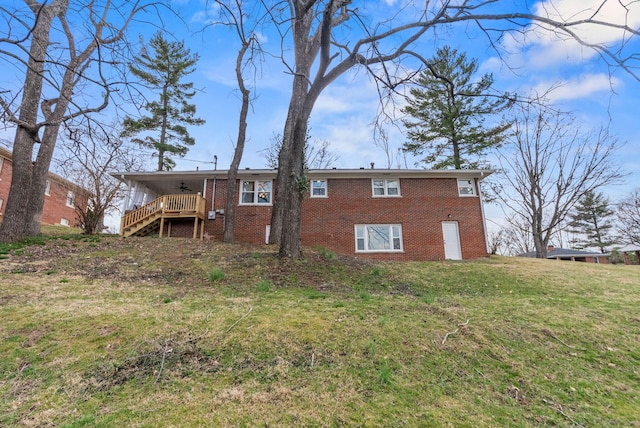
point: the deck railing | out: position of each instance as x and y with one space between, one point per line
166 205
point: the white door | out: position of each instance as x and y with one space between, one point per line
452 250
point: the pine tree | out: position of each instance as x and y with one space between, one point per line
449 109
162 70
591 218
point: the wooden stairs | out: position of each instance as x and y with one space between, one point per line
151 218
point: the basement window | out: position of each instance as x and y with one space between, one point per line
378 238
64 222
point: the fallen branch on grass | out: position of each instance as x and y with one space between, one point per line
164 354
558 408
446 336
549 333
240 319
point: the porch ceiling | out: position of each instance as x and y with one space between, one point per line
171 184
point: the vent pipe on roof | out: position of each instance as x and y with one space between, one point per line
373 164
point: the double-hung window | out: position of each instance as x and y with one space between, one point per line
70 199
256 192
378 238
386 187
466 188
318 188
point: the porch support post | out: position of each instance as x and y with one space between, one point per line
195 227
161 225
202 229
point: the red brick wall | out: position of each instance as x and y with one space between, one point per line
5 183
55 207
330 222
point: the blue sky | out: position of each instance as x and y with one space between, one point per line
345 111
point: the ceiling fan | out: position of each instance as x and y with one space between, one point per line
184 188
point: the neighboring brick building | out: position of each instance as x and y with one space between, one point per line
373 213
61 195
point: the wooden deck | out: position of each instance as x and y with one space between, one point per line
152 216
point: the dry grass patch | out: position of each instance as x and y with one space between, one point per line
133 332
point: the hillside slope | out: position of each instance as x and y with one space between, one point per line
170 332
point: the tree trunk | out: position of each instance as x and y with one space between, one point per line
40 173
232 174
291 154
290 242
12 228
19 219
163 129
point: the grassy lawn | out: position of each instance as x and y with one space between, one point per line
168 332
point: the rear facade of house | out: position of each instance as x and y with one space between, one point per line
380 214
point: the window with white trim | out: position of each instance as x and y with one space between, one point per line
70 199
1 202
1 163
385 186
466 188
255 192
318 188
64 222
47 188
378 238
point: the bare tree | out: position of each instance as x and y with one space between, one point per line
238 16
317 154
322 33
548 166
58 74
628 213
90 154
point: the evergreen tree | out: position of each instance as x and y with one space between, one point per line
449 109
163 69
591 218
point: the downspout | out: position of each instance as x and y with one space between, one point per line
484 218
213 196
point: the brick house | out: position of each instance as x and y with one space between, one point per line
569 254
61 196
372 213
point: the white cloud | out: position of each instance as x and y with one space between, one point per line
542 45
583 86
